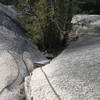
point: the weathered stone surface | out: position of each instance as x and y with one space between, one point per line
17 55
75 73
86 25
8 65
17 94
38 88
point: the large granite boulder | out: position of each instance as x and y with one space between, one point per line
17 55
86 24
74 74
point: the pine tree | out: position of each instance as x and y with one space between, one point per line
48 21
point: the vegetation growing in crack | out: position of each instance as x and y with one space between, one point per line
48 22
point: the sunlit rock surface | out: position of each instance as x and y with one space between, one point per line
74 74
17 55
86 25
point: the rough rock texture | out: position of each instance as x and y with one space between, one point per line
41 89
17 55
73 75
86 25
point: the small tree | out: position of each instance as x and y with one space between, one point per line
48 21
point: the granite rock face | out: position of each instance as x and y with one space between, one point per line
74 74
86 24
17 55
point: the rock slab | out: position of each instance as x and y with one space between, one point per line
17 55
74 74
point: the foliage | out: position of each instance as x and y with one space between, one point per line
48 22
90 6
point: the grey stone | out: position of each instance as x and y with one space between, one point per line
38 88
8 65
41 63
17 94
86 25
17 54
73 75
